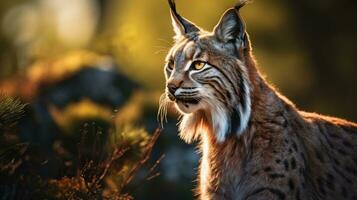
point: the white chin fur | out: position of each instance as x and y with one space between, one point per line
219 122
186 108
190 125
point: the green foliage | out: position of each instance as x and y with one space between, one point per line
11 110
99 164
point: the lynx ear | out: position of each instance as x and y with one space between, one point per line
182 26
231 27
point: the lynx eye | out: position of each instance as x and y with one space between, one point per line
170 65
197 65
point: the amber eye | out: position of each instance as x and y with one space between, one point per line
198 65
170 65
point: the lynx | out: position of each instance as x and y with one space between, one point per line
255 144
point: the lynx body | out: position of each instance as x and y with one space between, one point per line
255 144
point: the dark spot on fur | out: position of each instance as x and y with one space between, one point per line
336 161
285 123
278 193
342 175
303 156
330 177
295 146
341 151
321 186
290 150
322 190
354 159
330 181
229 96
293 163
278 161
235 117
330 185
255 173
344 192
332 146
319 156
286 165
333 135
267 169
354 197
286 141
297 195
261 85
301 170
351 130
351 170
274 175
347 144
291 184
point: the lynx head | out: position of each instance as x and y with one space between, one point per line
206 76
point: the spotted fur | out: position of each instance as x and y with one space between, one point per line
255 143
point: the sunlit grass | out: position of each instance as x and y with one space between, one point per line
68 118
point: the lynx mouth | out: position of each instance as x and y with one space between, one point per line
184 100
187 104
187 100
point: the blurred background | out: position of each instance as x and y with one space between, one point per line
93 69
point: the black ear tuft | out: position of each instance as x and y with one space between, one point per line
173 6
182 26
241 4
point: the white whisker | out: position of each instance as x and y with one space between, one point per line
162 111
163 40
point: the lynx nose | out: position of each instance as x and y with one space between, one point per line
172 88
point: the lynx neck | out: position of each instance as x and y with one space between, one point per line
222 164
